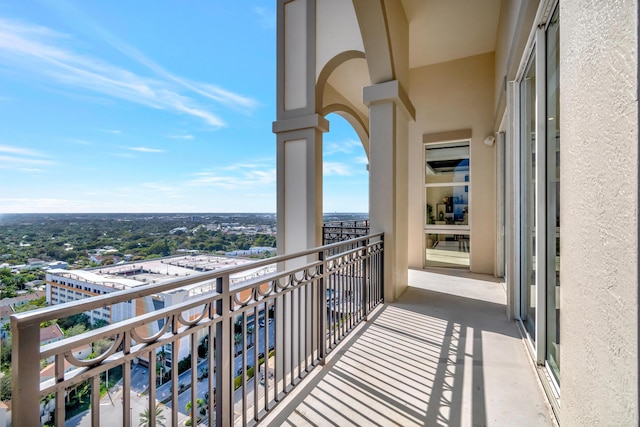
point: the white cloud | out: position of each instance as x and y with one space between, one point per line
236 177
361 160
346 147
180 136
145 149
336 168
19 158
20 151
114 131
225 97
39 50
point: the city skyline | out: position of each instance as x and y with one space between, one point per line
123 107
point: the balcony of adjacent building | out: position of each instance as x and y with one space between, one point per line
312 344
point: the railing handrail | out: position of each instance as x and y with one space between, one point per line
307 325
70 308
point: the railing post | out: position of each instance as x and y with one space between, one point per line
223 355
365 279
25 376
381 276
322 309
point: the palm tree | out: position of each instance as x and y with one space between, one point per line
145 416
201 404
237 340
250 330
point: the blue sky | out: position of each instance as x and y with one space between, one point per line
149 106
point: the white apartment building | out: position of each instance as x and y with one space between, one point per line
72 285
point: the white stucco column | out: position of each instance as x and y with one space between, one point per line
298 129
299 180
389 113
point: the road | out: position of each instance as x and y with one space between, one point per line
111 411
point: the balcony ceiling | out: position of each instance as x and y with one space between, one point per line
439 31
444 30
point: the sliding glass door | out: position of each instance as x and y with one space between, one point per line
538 140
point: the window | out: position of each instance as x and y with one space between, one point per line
447 208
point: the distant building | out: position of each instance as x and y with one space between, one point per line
5 312
73 285
22 299
57 264
51 333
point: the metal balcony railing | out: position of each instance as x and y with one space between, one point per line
247 345
340 231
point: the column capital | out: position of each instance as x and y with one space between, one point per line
391 91
301 122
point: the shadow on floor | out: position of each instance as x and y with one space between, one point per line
425 360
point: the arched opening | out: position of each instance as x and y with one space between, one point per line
345 178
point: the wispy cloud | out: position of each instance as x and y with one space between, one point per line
114 131
237 177
361 160
266 17
171 191
345 147
145 149
123 155
20 151
181 136
336 168
19 158
45 52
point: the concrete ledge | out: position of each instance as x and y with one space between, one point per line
389 91
301 122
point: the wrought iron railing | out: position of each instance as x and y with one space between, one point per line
267 335
339 231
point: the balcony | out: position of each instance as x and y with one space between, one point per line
444 354
328 352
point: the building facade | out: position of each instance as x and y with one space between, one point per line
64 286
502 139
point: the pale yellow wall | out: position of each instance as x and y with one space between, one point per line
451 96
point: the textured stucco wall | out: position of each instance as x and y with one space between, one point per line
599 212
452 96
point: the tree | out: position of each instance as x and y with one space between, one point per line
75 330
250 331
5 386
145 416
201 405
5 354
237 340
203 347
99 323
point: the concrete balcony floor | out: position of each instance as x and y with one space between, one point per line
443 355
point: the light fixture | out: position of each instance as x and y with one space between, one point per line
489 140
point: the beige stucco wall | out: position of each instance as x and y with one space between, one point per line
599 213
452 96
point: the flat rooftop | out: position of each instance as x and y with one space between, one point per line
159 270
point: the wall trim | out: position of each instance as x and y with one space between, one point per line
447 136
